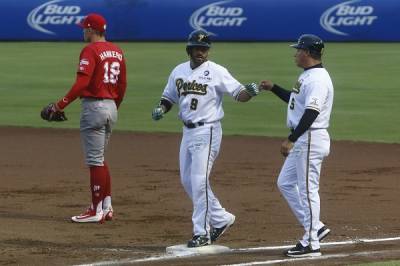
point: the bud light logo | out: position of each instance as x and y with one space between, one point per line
347 14
216 15
52 14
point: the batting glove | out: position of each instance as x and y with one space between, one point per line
252 89
157 113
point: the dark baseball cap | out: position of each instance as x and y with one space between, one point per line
94 21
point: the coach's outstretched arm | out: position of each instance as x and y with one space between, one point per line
282 93
248 91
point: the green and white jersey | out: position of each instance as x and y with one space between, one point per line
199 91
313 90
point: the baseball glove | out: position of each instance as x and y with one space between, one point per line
50 113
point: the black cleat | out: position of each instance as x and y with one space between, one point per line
217 232
323 232
299 252
198 241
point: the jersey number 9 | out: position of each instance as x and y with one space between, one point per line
111 72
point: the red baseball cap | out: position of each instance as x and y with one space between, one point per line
94 21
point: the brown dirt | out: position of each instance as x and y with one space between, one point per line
44 182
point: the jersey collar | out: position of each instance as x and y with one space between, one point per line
205 64
315 66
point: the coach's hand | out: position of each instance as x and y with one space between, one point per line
266 85
157 113
286 146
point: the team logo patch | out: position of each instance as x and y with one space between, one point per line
314 102
296 88
84 62
201 37
206 76
190 87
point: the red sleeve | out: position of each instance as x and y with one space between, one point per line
87 61
121 84
82 81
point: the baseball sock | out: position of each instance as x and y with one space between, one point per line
97 185
107 190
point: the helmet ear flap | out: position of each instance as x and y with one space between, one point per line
188 50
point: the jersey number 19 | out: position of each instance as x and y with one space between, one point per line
111 72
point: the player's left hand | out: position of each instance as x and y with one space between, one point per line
286 146
252 89
51 112
157 113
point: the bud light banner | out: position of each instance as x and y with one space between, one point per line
226 20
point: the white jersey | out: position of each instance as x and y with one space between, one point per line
313 90
199 91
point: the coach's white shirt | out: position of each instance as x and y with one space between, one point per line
313 90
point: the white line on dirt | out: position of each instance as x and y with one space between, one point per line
349 242
168 257
324 257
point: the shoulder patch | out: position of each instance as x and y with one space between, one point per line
83 62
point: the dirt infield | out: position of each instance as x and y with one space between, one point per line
44 182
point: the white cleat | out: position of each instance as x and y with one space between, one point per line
89 216
108 213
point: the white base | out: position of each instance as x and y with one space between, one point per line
183 250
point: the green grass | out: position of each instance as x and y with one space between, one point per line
366 79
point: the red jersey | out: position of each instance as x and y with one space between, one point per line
101 74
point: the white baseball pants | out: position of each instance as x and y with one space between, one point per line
199 149
299 178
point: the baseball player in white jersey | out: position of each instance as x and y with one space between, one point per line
198 86
309 109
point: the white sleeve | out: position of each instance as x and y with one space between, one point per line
229 84
316 93
170 93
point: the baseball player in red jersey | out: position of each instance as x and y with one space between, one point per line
101 85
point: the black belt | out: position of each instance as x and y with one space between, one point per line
194 125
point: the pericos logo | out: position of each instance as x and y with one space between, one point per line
347 14
53 13
217 15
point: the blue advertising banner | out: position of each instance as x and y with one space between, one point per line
227 20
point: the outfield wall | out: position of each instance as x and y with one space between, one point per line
227 20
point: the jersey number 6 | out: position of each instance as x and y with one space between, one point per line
111 72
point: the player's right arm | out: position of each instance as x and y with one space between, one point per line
282 93
169 97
